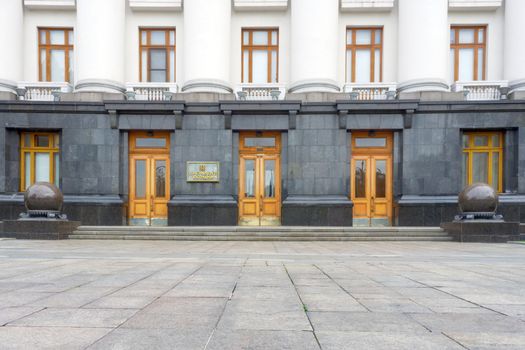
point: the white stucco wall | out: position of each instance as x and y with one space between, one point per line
32 21
494 22
229 68
387 20
151 19
256 19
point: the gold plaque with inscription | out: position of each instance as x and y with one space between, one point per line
202 171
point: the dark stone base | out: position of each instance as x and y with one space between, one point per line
432 211
317 211
485 231
202 211
39 229
89 210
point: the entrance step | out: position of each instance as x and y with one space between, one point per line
244 233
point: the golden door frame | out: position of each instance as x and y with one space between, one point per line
151 209
371 210
259 210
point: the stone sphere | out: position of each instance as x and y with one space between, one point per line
43 196
478 198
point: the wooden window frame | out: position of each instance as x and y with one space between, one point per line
387 149
269 49
66 47
262 134
456 46
372 47
133 136
148 46
490 150
52 149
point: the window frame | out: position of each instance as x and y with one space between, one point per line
456 46
372 47
52 149
66 47
470 149
269 48
167 47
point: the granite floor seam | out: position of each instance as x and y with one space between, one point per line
342 288
455 341
224 307
304 308
460 298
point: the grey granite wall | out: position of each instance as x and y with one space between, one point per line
315 154
3 159
202 138
318 161
12 161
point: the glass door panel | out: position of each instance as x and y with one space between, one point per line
140 205
140 178
380 181
270 191
160 178
269 178
360 178
380 202
159 170
249 179
361 190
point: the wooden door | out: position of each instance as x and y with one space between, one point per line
260 178
371 178
259 190
149 189
149 173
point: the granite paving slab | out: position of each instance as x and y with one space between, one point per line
261 295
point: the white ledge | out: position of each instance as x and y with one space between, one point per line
470 5
155 5
151 91
248 5
367 5
50 4
262 91
481 90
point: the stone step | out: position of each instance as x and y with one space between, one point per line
264 234
254 233
259 238
257 229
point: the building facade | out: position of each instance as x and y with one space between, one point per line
262 112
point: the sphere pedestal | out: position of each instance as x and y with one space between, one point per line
478 221
43 218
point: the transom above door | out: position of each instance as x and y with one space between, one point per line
371 178
149 171
260 179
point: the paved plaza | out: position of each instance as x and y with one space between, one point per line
261 295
